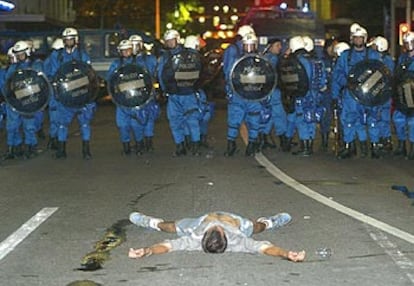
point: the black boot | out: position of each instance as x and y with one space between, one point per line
401 150
195 148
61 150
325 140
30 152
18 150
364 148
411 154
386 146
288 144
305 148
149 147
10 154
180 150
52 143
203 141
187 141
86 153
231 148
284 143
126 148
347 152
139 147
266 143
251 149
375 151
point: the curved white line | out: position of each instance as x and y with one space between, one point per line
276 172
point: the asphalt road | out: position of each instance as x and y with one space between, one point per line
347 206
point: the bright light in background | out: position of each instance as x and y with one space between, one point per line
226 9
202 19
6 6
305 8
169 26
234 18
283 5
216 8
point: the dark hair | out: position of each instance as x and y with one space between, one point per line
214 242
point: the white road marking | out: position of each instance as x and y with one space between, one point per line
276 172
7 245
390 248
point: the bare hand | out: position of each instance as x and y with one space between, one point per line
296 256
139 252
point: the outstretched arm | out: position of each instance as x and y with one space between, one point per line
158 248
294 256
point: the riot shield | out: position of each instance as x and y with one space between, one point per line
253 77
403 95
28 91
370 82
181 72
76 84
293 80
130 86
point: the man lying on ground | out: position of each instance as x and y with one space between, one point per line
215 232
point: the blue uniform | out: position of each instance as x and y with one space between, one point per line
52 110
65 114
14 119
354 116
182 106
278 113
385 109
238 108
324 102
138 119
404 122
303 118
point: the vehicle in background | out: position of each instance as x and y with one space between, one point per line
275 22
101 45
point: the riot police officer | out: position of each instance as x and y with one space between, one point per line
11 60
149 62
277 118
380 44
15 120
302 106
231 54
239 108
355 116
130 118
403 116
65 114
178 73
57 45
206 108
322 113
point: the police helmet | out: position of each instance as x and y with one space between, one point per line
309 46
381 43
192 42
58 44
408 40
340 48
296 43
360 32
137 43
124 45
353 28
244 30
70 33
172 34
249 42
21 47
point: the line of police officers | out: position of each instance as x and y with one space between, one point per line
346 79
